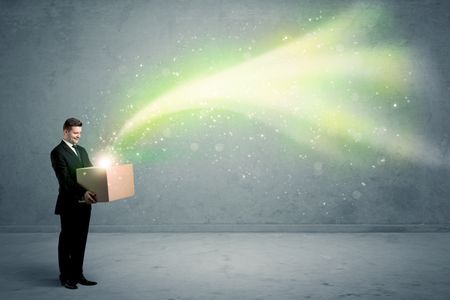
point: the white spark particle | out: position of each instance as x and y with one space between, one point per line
194 147
381 161
167 132
318 170
356 194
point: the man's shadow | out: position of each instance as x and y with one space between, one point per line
42 275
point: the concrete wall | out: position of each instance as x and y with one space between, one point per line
80 58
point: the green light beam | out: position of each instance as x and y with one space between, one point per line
310 80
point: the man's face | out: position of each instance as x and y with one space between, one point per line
73 135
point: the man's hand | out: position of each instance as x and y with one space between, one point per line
90 197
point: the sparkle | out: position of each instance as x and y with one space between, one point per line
291 88
356 195
219 147
194 147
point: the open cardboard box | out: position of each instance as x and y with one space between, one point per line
108 183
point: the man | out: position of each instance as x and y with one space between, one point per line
73 205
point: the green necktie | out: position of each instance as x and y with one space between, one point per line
76 150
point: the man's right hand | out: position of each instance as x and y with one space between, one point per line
90 197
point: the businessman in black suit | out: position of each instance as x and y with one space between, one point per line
73 205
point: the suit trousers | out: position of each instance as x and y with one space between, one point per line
72 241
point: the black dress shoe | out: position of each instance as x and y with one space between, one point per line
84 281
70 284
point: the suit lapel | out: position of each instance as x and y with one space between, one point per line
81 162
66 147
77 160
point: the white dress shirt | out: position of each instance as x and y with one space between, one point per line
71 147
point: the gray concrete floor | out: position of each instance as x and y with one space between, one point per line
234 266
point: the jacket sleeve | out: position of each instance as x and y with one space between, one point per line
67 184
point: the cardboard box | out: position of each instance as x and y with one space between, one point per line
110 183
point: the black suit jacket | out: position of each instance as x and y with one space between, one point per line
65 163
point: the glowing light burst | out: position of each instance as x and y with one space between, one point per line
328 90
104 160
105 163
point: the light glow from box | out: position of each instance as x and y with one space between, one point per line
105 162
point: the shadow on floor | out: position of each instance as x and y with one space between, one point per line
39 275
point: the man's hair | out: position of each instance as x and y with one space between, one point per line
70 122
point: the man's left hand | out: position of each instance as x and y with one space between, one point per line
90 197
